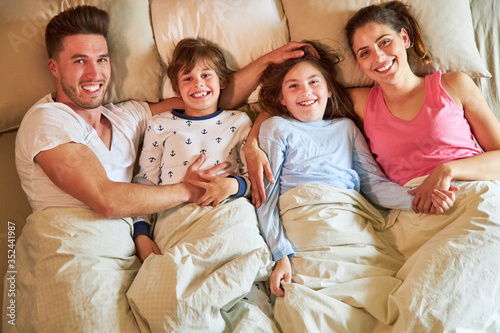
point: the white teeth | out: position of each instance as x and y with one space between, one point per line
91 88
200 94
381 69
306 103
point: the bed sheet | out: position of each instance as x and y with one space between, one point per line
343 273
202 282
73 269
452 272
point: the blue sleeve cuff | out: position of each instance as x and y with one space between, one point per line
141 228
242 185
278 255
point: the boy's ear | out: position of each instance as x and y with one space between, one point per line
222 85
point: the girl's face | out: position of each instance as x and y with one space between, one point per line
304 92
380 51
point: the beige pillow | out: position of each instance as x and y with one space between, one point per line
243 30
136 68
446 26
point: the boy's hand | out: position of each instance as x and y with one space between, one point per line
216 188
145 246
282 272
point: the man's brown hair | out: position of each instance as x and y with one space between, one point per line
87 20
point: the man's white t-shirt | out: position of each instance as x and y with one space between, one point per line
48 124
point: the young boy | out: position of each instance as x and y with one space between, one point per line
174 140
207 255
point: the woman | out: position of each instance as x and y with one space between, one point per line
315 220
451 274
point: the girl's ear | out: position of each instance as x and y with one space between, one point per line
405 38
282 100
329 94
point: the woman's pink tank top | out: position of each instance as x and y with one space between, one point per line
409 149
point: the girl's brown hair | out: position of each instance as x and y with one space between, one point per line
339 104
394 14
87 20
186 55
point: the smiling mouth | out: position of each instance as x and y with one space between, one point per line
386 67
307 103
91 88
200 94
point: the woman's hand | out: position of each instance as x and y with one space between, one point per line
145 246
439 179
282 272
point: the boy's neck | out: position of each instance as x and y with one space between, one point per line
200 113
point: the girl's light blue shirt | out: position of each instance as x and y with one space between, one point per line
329 152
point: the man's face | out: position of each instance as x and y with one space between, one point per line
82 70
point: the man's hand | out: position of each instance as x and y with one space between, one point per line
216 188
145 246
194 173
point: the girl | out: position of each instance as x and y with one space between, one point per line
320 159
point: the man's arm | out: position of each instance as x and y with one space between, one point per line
75 169
166 105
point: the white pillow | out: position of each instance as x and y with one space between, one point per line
136 68
243 30
446 27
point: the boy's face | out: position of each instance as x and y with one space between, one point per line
200 90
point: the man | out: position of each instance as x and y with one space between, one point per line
75 157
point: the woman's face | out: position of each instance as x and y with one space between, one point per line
304 92
380 51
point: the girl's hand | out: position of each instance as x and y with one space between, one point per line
440 178
216 188
257 165
442 200
145 246
282 272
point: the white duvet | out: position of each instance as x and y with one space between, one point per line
443 277
343 273
210 260
74 268
452 272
